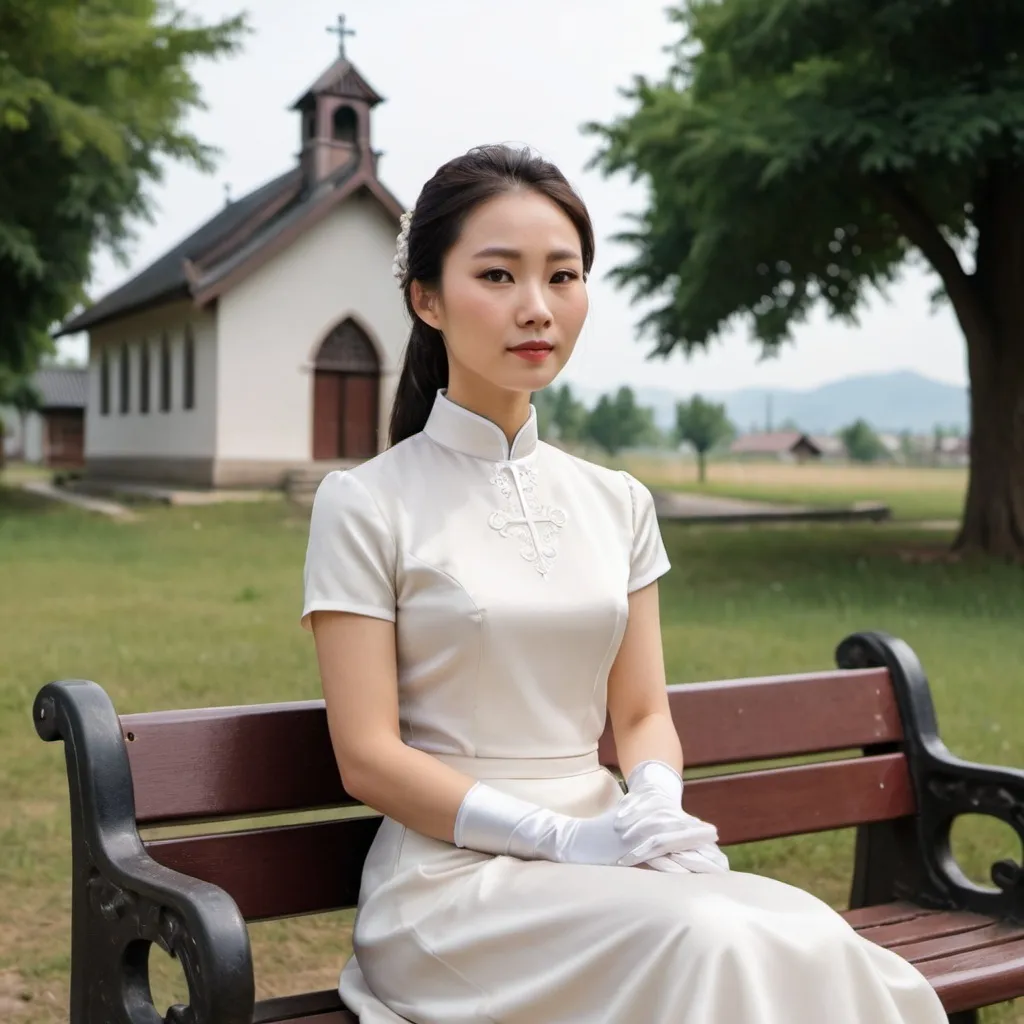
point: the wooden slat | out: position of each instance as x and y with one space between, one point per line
236 761
738 720
987 937
262 759
278 872
979 977
804 798
885 913
299 869
331 1017
323 1007
932 926
979 963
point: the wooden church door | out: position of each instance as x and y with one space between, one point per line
346 395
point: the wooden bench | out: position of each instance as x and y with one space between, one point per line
890 776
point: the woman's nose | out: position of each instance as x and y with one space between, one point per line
534 310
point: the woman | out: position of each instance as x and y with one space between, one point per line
479 601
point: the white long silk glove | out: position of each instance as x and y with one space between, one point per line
491 821
654 801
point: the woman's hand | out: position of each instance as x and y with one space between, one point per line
653 807
491 821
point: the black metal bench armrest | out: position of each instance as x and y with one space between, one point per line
945 787
123 900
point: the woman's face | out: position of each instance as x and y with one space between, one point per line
515 276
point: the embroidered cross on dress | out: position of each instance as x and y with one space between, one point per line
534 524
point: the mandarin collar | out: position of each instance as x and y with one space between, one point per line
456 427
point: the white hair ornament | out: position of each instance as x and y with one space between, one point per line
400 266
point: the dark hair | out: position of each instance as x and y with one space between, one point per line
455 190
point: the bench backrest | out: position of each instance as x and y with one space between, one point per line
215 764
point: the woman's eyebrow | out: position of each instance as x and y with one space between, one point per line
515 254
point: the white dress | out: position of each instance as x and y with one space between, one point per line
507 573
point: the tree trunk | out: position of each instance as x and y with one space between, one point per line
993 519
701 467
989 305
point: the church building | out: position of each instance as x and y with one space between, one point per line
271 337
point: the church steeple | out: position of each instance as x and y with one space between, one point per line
335 116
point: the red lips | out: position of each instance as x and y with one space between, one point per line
532 346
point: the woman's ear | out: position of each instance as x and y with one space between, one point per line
425 303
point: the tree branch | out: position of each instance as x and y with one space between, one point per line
922 230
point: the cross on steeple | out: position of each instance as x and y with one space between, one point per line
341 32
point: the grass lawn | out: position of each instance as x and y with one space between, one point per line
200 607
912 493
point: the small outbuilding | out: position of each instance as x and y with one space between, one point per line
785 445
54 434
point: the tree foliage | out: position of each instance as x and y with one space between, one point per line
94 98
802 151
862 443
703 424
18 392
617 422
569 415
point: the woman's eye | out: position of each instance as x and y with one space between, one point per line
495 275
500 276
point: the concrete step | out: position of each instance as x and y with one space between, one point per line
301 484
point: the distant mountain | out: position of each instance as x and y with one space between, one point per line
890 402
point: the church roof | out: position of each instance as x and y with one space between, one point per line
340 79
61 387
166 278
239 237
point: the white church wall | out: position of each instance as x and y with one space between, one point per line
23 435
12 432
33 439
271 324
178 433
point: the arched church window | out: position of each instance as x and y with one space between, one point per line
125 378
104 382
189 368
144 376
346 125
165 373
348 349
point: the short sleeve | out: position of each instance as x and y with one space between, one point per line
648 558
350 557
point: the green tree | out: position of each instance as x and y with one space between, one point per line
618 422
802 153
93 101
569 415
543 401
862 443
704 424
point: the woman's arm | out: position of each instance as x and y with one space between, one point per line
358 669
637 697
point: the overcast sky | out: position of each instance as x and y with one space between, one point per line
457 73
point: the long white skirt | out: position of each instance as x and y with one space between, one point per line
450 936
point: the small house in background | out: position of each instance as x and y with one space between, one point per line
893 444
54 435
953 451
831 447
785 445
